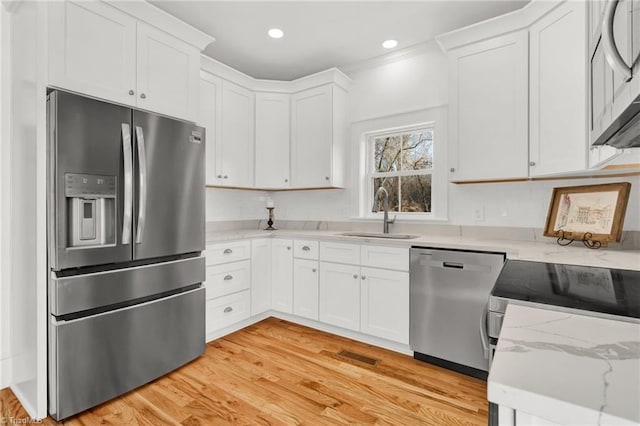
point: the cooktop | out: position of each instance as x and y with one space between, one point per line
610 291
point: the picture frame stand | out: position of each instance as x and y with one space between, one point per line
586 240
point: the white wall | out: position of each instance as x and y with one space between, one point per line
420 82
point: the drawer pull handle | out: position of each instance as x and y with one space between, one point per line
227 251
228 309
228 278
355 276
306 248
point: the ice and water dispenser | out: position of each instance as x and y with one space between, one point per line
91 210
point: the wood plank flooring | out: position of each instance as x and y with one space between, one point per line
279 373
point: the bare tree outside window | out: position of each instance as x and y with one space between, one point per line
403 163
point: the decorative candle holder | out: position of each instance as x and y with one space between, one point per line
270 221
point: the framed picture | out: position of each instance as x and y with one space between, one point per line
596 210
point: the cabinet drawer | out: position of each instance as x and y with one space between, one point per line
305 249
227 310
385 257
340 253
228 252
228 278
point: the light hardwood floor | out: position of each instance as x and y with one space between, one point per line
277 372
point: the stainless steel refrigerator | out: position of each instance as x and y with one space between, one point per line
125 235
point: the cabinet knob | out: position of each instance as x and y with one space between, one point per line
228 278
131 92
532 163
226 177
227 251
326 178
355 276
288 247
313 270
143 96
286 180
219 176
228 309
452 170
363 277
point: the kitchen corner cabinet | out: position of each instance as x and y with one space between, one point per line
235 162
282 275
98 50
318 137
260 275
489 109
558 137
209 117
272 140
305 288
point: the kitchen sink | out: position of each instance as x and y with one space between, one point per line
379 235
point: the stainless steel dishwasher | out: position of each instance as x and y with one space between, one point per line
449 290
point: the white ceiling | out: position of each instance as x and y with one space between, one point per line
322 34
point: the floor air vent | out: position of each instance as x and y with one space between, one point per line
357 357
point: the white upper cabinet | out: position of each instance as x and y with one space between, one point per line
98 50
236 145
209 117
272 140
558 86
489 109
168 71
92 50
318 133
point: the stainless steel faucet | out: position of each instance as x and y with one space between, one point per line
376 205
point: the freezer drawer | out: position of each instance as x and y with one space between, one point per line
83 292
96 358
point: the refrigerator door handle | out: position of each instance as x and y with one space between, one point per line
128 184
142 184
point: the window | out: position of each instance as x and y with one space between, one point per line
401 161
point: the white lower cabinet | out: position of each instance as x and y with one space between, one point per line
228 278
384 304
282 275
305 288
340 295
260 275
227 310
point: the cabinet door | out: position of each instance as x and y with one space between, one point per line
601 93
622 35
558 84
92 50
340 295
272 140
237 135
489 109
209 118
305 288
282 275
168 74
384 304
312 137
260 275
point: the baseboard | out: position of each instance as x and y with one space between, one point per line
5 373
19 393
349 334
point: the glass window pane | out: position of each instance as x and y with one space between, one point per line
386 154
417 150
416 193
391 184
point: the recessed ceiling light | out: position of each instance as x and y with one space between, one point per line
389 44
275 33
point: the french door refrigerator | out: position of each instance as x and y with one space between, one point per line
125 236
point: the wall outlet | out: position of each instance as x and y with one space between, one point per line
478 214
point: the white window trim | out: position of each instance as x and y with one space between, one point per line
363 130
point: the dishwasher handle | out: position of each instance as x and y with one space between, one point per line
455 265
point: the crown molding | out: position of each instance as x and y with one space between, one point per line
388 58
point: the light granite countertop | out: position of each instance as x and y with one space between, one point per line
537 251
566 368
